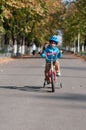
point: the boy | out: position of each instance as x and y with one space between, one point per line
52 48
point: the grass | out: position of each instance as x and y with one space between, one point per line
83 53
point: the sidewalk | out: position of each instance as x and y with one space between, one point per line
5 59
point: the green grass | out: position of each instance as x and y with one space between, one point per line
82 53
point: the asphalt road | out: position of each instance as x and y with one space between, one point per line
26 105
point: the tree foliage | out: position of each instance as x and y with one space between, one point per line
74 21
30 18
38 19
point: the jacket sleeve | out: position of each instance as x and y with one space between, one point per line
43 54
59 55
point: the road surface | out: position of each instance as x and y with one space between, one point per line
26 105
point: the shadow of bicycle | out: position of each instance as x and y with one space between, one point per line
27 88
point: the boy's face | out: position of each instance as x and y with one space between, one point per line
52 43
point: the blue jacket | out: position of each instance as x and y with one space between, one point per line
51 50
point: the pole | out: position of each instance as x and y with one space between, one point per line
78 42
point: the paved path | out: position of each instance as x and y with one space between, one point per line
25 105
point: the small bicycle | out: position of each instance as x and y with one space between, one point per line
52 78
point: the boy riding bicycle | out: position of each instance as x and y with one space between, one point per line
52 48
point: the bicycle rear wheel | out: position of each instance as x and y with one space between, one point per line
52 82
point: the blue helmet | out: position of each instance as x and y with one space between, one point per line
54 39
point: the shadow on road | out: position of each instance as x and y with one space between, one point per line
67 96
39 89
25 88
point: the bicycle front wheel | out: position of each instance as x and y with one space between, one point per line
52 82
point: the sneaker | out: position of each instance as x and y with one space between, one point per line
58 74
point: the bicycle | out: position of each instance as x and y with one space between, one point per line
52 78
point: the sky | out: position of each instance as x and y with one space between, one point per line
67 0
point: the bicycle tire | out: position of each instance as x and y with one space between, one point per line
52 82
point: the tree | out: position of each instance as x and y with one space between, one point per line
74 21
31 19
